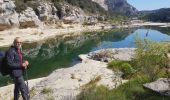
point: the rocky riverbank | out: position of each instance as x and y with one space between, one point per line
66 83
30 35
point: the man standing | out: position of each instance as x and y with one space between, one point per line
17 66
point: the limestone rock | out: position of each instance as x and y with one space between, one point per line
108 55
66 83
91 20
161 86
7 7
28 18
72 14
47 12
117 6
4 24
8 16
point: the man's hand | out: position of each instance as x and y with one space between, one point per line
25 64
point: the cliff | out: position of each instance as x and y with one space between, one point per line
30 13
38 13
117 7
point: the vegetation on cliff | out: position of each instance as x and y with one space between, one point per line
160 15
87 5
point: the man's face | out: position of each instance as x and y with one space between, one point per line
18 43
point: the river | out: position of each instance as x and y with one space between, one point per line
63 51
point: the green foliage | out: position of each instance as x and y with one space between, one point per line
132 90
160 15
21 5
92 82
118 18
94 93
46 90
124 66
151 57
150 63
86 5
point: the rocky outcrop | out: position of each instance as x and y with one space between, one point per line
108 55
66 83
161 86
47 13
117 6
72 14
8 16
28 18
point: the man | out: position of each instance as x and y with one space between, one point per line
17 66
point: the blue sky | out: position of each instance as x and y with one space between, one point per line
149 4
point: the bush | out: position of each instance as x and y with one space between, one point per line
132 90
22 5
150 63
151 57
124 66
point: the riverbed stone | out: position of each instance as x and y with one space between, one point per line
161 86
107 55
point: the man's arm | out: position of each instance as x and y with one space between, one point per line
10 60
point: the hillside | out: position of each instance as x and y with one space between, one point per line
160 15
37 13
117 7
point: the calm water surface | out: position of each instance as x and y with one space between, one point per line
63 51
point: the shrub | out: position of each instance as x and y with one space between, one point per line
124 66
20 5
46 90
151 57
150 63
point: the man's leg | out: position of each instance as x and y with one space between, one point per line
23 88
16 91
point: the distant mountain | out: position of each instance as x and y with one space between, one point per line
117 7
160 15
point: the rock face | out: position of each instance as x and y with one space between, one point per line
28 19
8 16
72 14
47 12
117 6
161 86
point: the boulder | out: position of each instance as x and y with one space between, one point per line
72 14
161 86
28 18
8 15
7 7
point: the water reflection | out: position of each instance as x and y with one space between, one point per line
63 51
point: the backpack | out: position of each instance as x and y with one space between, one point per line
4 70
